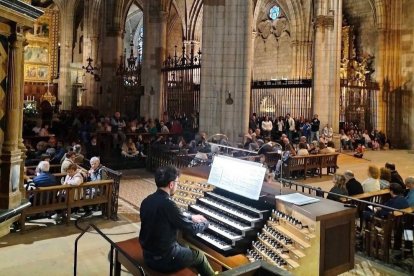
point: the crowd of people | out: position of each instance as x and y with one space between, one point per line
387 177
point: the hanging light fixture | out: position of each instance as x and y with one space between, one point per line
129 70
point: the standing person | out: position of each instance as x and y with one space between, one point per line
117 127
315 128
160 221
267 126
290 126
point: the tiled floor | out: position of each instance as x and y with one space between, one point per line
47 249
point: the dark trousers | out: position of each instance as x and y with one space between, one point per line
180 257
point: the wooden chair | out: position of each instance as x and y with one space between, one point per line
133 249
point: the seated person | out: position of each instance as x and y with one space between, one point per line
338 188
385 178
79 156
129 149
397 201
409 181
164 128
97 172
160 221
395 176
44 177
28 183
68 159
73 176
359 151
346 141
371 184
303 151
353 186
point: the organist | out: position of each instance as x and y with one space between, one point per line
160 221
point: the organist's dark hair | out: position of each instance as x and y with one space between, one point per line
165 175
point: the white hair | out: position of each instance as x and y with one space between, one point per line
44 166
95 158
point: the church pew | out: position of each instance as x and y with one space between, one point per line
65 197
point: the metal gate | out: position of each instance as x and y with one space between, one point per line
278 97
358 105
181 76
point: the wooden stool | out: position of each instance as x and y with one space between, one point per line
133 248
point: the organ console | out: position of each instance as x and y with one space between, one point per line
314 239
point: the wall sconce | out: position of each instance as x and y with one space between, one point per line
229 100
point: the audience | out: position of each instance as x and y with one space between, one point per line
385 178
338 188
371 184
73 176
353 186
129 149
395 176
44 178
397 201
68 160
409 181
96 172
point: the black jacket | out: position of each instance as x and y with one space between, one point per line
354 187
160 221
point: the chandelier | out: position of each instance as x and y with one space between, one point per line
129 70
89 68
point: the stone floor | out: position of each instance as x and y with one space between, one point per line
48 249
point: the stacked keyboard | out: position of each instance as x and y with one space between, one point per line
234 221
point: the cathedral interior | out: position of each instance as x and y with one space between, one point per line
349 61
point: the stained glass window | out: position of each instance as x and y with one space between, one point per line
274 12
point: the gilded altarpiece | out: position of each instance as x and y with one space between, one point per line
358 100
3 82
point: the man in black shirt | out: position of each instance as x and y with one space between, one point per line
353 186
160 221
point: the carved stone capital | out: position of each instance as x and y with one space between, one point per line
323 21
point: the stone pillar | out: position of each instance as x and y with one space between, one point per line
110 99
155 49
66 40
226 67
326 58
10 195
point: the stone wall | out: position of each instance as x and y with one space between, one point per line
174 33
272 57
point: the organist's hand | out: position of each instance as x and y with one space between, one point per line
198 218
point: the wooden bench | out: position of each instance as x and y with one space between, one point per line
133 249
65 197
311 162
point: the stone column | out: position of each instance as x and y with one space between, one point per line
326 58
226 67
10 195
66 40
110 99
155 48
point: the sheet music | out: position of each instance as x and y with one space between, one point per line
241 177
297 199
